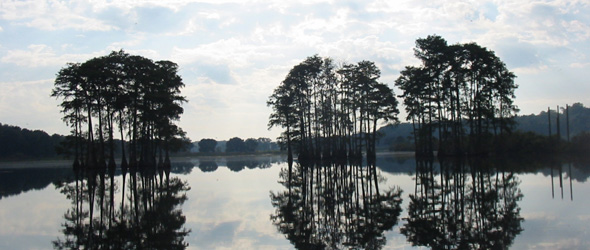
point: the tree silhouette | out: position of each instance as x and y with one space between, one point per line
141 96
251 145
235 144
467 206
461 96
207 145
330 113
334 206
147 217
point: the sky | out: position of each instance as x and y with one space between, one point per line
232 54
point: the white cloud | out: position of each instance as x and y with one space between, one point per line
28 104
231 56
40 55
52 15
580 31
232 52
579 65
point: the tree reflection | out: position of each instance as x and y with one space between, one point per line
463 206
334 206
146 215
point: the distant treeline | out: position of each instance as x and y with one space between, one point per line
18 143
579 121
235 144
23 144
530 132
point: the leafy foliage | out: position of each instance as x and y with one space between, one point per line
139 95
462 95
331 113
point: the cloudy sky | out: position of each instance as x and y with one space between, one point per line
232 54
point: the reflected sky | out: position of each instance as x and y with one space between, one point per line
32 220
226 209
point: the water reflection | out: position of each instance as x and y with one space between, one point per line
559 168
334 207
14 182
322 211
463 205
146 215
208 166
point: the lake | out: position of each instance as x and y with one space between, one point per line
254 203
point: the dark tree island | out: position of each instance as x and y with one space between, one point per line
460 100
331 113
123 94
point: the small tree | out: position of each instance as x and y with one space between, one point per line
251 145
207 145
235 144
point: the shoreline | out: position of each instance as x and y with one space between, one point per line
67 163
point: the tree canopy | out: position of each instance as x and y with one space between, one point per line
207 145
463 93
139 97
329 112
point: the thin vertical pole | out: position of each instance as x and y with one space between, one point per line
561 180
567 121
571 187
557 127
552 185
549 119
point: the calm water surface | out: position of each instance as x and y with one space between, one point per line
227 204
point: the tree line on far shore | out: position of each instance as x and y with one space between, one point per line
20 143
566 131
236 145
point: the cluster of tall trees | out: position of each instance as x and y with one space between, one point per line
331 112
123 94
461 96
